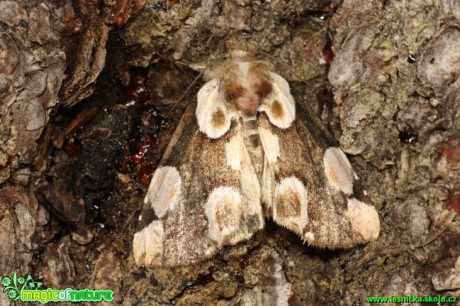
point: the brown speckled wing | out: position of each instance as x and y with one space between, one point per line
196 202
313 190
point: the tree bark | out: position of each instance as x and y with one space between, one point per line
85 91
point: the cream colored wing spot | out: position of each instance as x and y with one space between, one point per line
164 190
291 204
212 115
234 150
223 211
270 143
279 105
364 219
148 244
338 170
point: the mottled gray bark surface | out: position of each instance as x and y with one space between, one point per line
76 154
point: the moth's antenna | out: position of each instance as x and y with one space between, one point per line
195 80
186 91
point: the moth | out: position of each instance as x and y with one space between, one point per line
242 151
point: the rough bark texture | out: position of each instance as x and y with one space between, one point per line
72 186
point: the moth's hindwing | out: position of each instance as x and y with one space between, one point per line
315 191
195 203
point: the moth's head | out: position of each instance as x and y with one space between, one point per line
244 82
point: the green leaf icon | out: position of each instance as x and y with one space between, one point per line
13 294
6 281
